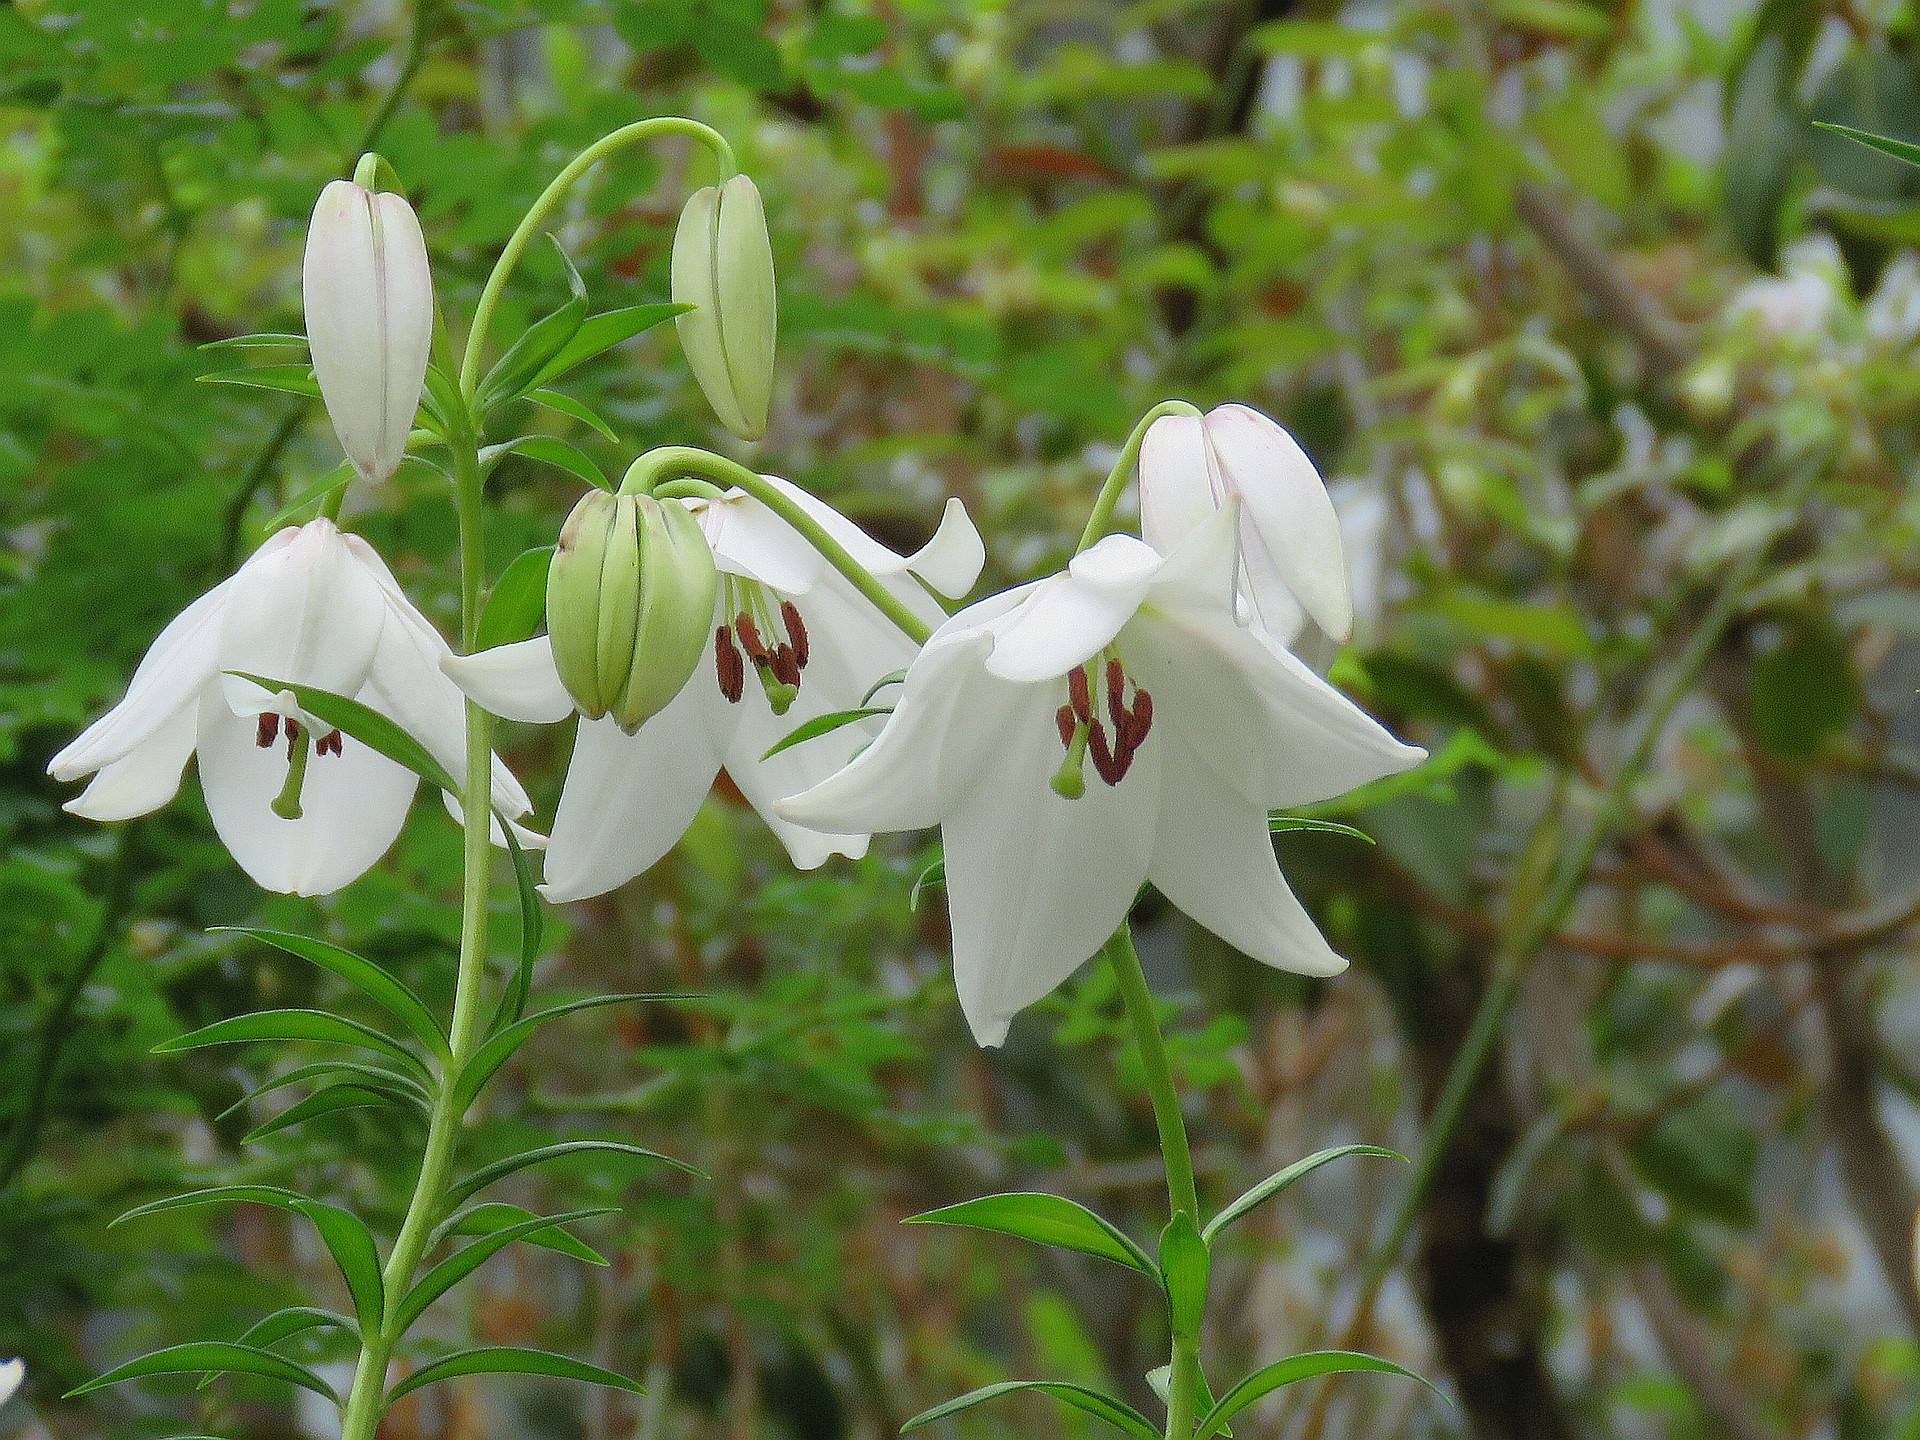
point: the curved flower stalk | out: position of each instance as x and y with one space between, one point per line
1132 665
792 640
1292 565
302 808
368 294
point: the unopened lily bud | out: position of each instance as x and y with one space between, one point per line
723 267
369 303
630 600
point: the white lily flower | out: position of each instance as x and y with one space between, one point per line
785 616
12 1373
369 301
315 607
1293 568
1197 727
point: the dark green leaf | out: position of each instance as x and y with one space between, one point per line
600 333
523 366
1279 824
517 601
1899 149
462 1263
314 1025
220 1356
295 1320
387 992
1285 1372
366 725
1116 1413
1047 1219
893 678
351 1244
499 1169
511 1360
262 341
549 450
290 379
1183 1274
1280 1180
822 725
485 1219
501 1045
513 1001
277 1196
337 478
330 1100
374 1077
574 410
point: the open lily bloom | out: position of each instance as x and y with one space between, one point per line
314 607
792 640
1196 727
1292 566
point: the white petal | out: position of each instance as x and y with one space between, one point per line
952 560
749 539
12 1373
515 682
143 779
309 613
1288 505
177 666
1036 883
629 798
1068 618
1274 731
353 805
1180 483
1213 857
406 286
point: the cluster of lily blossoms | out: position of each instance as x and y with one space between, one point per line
695 629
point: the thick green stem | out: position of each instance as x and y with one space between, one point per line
1101 516
675 462
366 1402
1184 1383
530 224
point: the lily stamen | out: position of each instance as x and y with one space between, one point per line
266 730
733 669
796 631
328 744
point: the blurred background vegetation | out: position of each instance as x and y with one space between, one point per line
1579 313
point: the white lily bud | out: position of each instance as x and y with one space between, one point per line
723 267
369 303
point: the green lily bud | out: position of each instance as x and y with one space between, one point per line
723 267
630 599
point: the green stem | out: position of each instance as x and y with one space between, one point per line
366 1402
1183 1385
676 462
1101 516
530 223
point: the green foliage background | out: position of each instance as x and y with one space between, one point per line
1501 267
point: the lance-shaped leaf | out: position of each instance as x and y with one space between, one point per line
517 601
549 450
1048 1219
462 1263
366 725
351 1244
824 725
335 479
219 1356
499 1169
275 1195
522 366
314 1025
1285 1372
403 1089
1116 1413
1279 824
330 1100
1899 149
499 1047
284 1324
513 1000
289 379
600 333
377 984
1183 1274
1275 1183
487 1218
511 1360
262 341
573 409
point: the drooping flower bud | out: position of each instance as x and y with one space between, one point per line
369 303
723 267
630 600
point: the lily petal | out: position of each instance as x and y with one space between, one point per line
177 666
1288 506
143 779
307 612
1213 858
1180 481
353 805
1036 883
1067 619
515 682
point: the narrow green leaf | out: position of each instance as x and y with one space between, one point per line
1298 1367
377 984
1116 1413
550 450
366 725
517 601
512 1164
574 410
513 1001
600 333
275 1195
895 677
1899 149
262 341
1183 1274
335 479
822 725
288 379
222 1356
1279 824
374 1077
330 1100
497 1215
296 1320
500 1046
1047 1219
462 1263
351 1244
511 1360
521 368
440 398
1280 1180
314 1025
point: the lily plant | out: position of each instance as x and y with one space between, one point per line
1133 719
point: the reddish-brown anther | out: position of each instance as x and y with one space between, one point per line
786 666
733 670
267 730
1063 717
1109 765
1077 692
293 732
796 630
1116 697
328 744
1139 722
750 640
